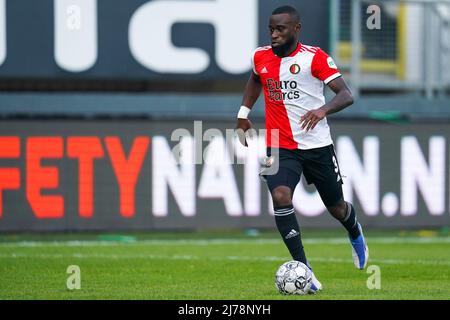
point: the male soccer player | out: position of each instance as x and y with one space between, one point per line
292 75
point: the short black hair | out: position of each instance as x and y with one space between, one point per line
289 10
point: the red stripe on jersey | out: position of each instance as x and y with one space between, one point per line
311 49
276 114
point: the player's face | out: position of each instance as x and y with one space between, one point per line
283 32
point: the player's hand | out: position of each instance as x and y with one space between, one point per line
309 120
243 125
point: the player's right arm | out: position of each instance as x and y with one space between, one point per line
251 93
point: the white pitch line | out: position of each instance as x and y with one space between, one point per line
208 242
214 258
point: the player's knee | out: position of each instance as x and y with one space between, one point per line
281 196
339 210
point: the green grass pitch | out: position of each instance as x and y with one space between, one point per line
218 265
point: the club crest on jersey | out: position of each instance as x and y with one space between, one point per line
294 69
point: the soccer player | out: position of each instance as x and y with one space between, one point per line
293 76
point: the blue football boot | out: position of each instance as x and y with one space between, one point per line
360 251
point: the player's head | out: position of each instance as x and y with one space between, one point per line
284 28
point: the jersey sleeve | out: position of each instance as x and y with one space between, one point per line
323 67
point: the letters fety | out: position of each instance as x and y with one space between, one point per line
85 150
9 177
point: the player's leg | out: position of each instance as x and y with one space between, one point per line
286 220
282 186
322 169
344 212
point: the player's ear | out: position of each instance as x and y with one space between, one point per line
298 27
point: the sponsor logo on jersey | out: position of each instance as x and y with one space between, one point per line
294 69
282 90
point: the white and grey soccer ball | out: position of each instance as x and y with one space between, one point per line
293 277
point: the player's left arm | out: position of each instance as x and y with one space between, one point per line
340 101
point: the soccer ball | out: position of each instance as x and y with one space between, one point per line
293 277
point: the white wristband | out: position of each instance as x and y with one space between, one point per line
243 112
